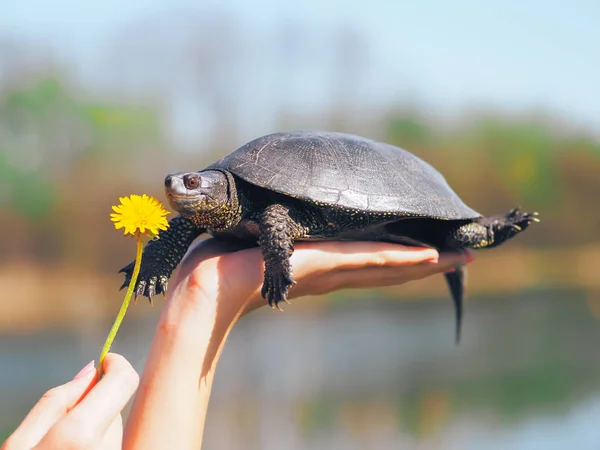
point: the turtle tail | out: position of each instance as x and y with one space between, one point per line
456 283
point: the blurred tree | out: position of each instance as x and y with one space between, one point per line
45 129
67 148
31 148
407 130
118 131
63 159
523 154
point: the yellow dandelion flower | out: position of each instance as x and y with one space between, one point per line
140 213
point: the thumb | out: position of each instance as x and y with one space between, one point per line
53 405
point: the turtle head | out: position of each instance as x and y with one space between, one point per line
208 198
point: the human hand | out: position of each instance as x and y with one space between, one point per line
81 414
215 285
220 272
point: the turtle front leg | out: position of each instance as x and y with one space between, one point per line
277 234
161 256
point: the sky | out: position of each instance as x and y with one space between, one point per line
448 55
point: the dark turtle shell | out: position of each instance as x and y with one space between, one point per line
346 171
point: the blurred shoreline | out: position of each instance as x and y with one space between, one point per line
54 295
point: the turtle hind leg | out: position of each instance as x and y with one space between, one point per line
488 232
456 284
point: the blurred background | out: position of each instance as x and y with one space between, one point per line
103 99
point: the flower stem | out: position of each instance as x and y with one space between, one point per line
113 331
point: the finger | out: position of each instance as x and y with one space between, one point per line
309 259
87 423
367 277
53 405
323 267
349 255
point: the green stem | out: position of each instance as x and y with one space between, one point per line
113 331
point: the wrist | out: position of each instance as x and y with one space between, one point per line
193 322
198 298
183 314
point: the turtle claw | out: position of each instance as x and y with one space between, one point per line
518 221
161 256
140 288
148 284
514 212
275 289
151 288
163 285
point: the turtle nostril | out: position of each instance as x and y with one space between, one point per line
168 180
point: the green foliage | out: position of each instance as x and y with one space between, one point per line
45 130
317 414
115 128
42 100
523 154
545 387
56 145
30 194
498 162
409 130
410 411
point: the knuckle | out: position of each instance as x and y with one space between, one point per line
131 379
54 396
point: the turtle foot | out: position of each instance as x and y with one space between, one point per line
519 220
150 282
276 287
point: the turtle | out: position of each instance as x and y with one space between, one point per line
302 185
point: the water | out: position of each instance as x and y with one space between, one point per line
370 374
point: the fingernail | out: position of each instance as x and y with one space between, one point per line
86 370
450 270
470 257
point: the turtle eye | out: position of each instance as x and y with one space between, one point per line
191 181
